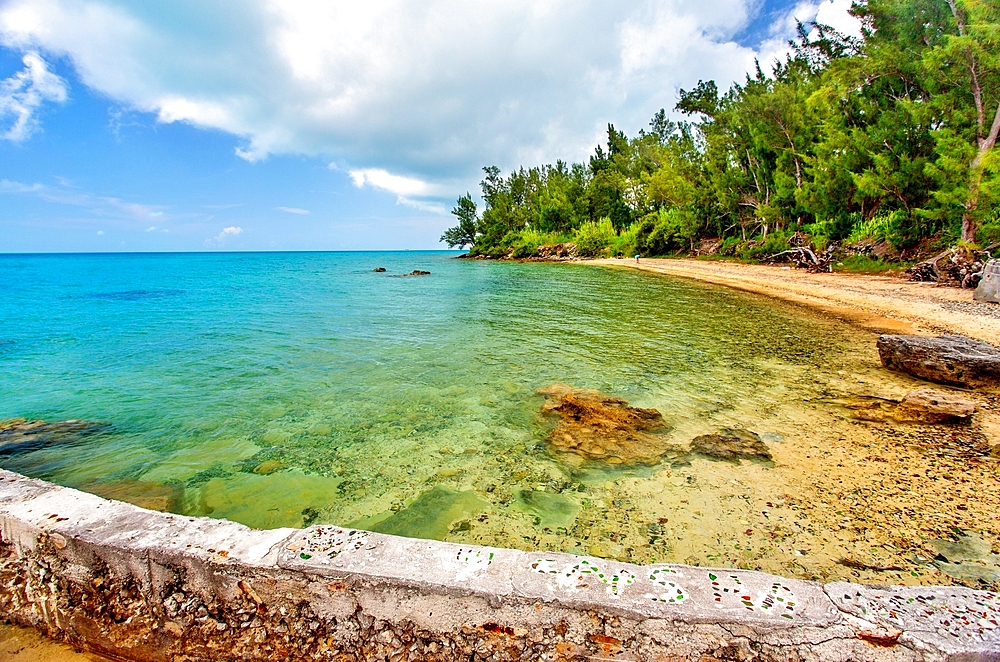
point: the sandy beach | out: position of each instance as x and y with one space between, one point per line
884 303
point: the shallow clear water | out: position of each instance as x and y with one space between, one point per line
284 389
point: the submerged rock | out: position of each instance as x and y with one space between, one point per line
953 360
601 427
921 406
731 444
969 559
550 510
19 434
145 494
431 515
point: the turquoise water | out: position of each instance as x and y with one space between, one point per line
282 389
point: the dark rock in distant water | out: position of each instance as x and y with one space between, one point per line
379 270
418 272
731 444
19 435
601 427
953 360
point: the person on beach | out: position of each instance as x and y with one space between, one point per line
637 259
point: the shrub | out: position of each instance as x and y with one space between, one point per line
594 238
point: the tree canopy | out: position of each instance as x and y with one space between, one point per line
890 137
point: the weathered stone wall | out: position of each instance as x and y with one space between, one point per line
138 585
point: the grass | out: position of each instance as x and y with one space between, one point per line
862 264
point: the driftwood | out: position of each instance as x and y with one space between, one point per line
804 258
962 266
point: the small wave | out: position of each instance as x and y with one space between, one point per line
133 295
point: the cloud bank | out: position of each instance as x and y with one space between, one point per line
407 97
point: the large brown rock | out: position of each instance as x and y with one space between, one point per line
601 427
953 360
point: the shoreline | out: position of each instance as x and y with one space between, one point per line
879 303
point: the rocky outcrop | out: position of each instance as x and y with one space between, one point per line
601 427
930 406
731 444
921 406
953 360
379 270
20 434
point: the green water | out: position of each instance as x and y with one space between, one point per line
290 389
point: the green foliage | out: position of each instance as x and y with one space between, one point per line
989 232
884 138
463 234
594 238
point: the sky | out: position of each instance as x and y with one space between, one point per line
128 125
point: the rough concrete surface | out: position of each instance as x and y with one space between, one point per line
140 585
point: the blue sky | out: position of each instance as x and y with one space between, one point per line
326 126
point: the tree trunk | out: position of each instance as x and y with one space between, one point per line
969 222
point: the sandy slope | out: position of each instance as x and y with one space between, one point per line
880 302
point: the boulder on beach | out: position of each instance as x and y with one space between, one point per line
989 287
595 426
955 360
731 444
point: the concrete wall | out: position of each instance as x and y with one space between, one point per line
139 585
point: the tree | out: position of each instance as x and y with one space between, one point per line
464 234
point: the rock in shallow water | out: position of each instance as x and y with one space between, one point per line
953 360
731 444
20 435
601 427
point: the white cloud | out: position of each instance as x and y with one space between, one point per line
293 210
409 191
7 186
69 194
833 13
227 233
23 94
412 97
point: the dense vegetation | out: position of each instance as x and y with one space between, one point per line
886 141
